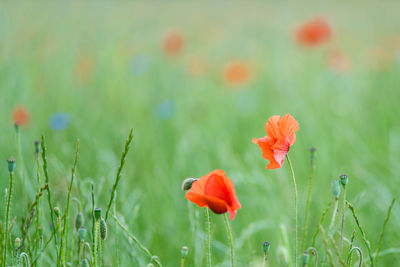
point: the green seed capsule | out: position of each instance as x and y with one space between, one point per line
336 189
97 213
187 183
184 251
57 211
344 179
11 164
37 147
82 233
17 242
265 246
103 229
79 221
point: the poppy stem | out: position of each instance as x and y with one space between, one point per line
308 200
209 237
295 207
228 229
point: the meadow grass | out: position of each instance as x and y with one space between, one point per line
77 58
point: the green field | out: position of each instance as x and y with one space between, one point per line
78 59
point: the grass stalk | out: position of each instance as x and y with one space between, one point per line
308 199
295 208
228 229
7 219
96 242
342 222
382 233
121 166
66 224
325 241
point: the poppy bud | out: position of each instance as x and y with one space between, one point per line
84 263
37 147
265 247
103 229
283 256
11 164
17 242
187 183
336 189
306 258
82 233
97 213
184 251
344 179
57 211
79 220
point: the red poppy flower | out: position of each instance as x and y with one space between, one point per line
314 32
236 73
216 192
173 43
280 136
20 116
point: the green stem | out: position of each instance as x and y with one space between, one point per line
335 207
96 241
383 231
295 207
62 251
38 203
308 200
116 235
182 262
228 229
7 218
208 223
342 223
21 160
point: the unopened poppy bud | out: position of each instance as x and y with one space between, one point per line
184 251
79 220
265 247
283 256
84 263
336 189
11 164
97 213
57 211
103 229
306 258
37 147
17 242
82 233
344 179
187 183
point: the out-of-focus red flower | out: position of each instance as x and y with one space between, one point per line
281 135
216 192
236 73
313 32
173 43
20 116
339 62
84 69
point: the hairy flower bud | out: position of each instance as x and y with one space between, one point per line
336 189
82 233
103 229
79 221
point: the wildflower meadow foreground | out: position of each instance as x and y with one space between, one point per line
199 134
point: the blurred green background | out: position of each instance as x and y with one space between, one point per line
103 66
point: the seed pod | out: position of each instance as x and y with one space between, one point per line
184 251
265 246
84 263
17 242
283 256
103 229
97 213
344 179
82 233
37 147
79 221
11 164
187 183
57 211
336 189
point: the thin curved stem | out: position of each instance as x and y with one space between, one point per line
359 254
295 207
208 238
228 229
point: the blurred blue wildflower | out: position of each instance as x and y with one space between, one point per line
165 109
59 121
140 64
